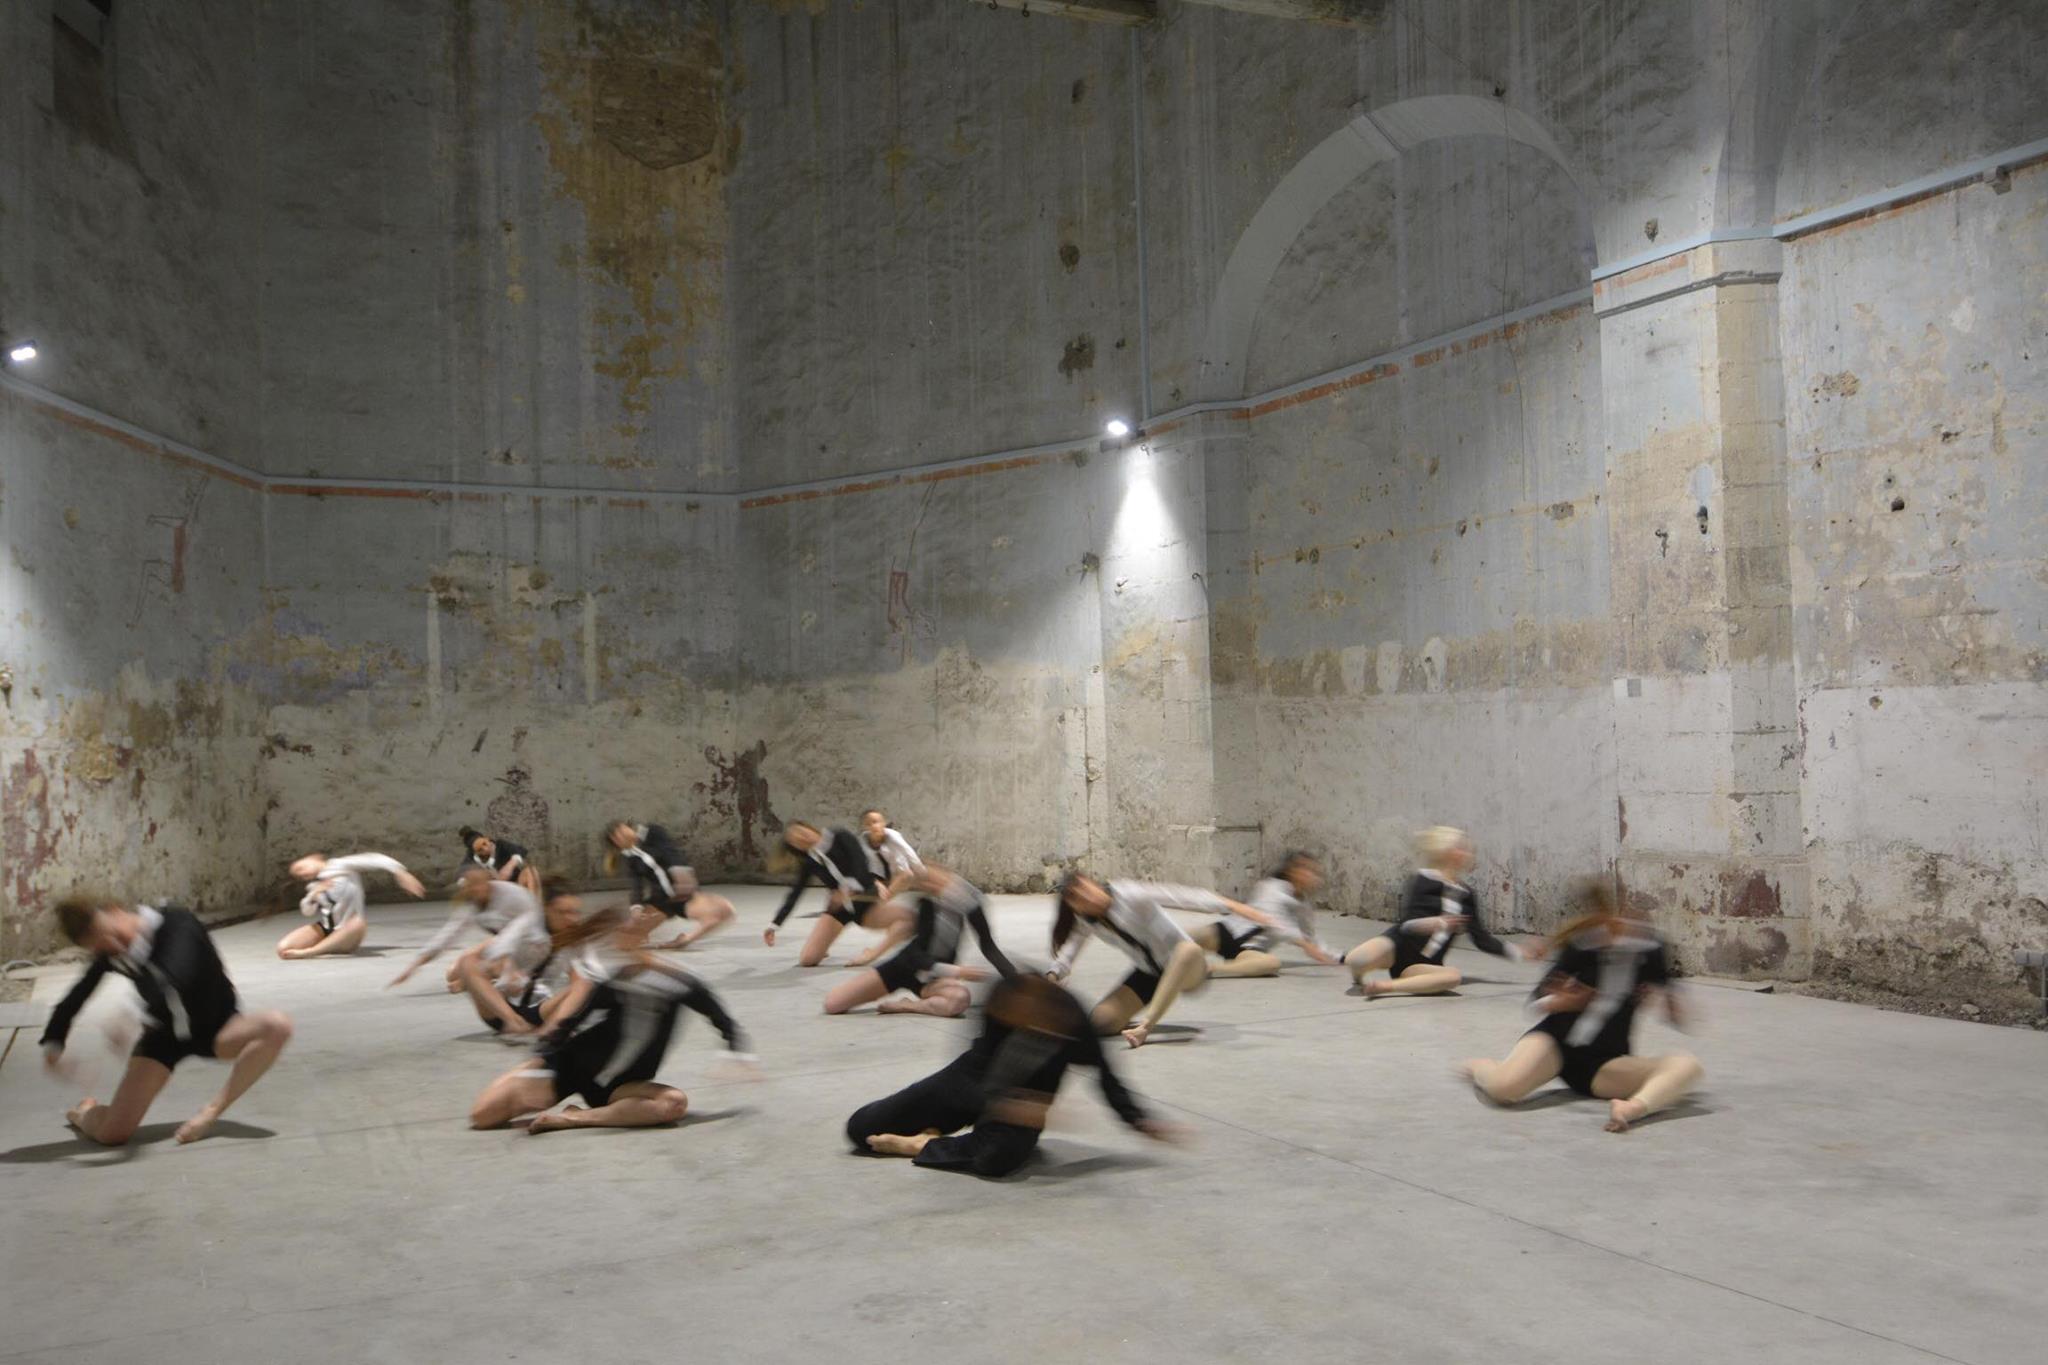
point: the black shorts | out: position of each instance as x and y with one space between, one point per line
1143 983
1580 1064
906 970
1228 947
856 913
530 1013
161 1045
1408 952
573 1079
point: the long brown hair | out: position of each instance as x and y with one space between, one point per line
1598 905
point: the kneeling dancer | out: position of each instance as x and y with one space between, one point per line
1000 1089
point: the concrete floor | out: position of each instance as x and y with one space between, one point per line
1851 1186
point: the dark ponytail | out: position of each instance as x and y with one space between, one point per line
1063 911
469 836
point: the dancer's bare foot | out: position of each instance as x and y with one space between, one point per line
1372 990
674 945
559 1119
1137 1035
897 1004
1621 1113
75 1115
896 1144
863 959
199 1125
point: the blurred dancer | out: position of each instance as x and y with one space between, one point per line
608 1051
189 1006
947 907
664 880
1247 948
1436 906
483 903
1606 964
837 860
506 860
523 977
1000 1089
894 863
334 902
1132 915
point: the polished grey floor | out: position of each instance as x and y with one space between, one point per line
1850 1186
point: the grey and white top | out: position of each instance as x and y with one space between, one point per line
336 895
1294 919
1137 923
506 902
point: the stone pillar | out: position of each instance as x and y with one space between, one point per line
1707 739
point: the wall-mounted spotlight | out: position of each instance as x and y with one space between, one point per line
22 352
1118 428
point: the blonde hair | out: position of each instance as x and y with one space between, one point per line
1436 843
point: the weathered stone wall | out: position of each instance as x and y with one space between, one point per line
1607 427
126 568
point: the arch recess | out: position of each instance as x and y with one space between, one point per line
1370 137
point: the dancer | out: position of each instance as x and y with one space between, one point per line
1606 964
482 902
1003 1086
1436 907
1165 960
664 880
1246 947
609 1050
506 860
535 971
894 863
948 905
334 902
190 1011
839 860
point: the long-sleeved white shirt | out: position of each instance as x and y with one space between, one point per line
1137 922
507 901
1294 919
336 895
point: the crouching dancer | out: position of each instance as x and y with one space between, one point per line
189 1006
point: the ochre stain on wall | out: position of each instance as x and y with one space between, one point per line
637 132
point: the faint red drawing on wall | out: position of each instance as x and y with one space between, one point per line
162 579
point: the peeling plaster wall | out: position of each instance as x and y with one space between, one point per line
494 241
1415 630
498 253
534 667
1917 421
127 755
932 648
124 568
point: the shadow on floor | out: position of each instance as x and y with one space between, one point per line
147 1135
694 1119
1048 1165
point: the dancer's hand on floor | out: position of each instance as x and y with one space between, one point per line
768 936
